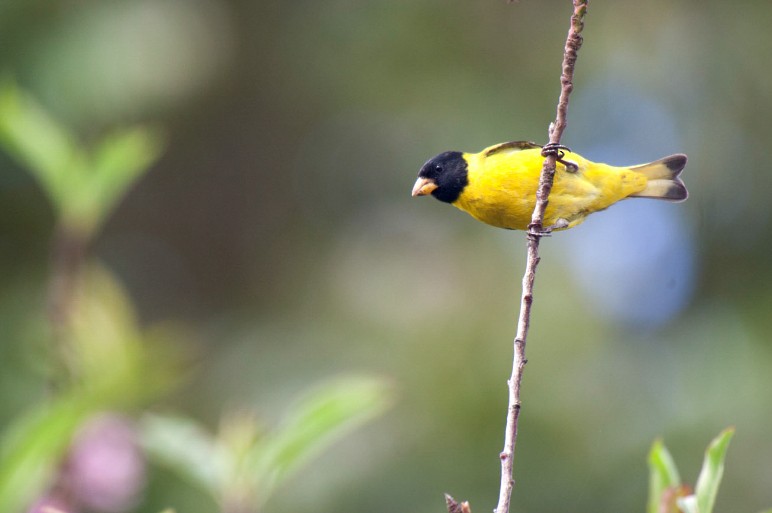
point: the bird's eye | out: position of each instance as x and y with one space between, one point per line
438 168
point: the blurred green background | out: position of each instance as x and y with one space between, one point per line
276 239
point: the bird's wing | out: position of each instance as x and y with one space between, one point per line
512 145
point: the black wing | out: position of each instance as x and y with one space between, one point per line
516 145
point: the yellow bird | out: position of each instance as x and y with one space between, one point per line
498 185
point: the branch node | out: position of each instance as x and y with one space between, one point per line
455 507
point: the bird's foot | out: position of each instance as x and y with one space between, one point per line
554 149
546 231
571 166
558 151
560 224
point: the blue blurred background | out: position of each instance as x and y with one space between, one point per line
278 233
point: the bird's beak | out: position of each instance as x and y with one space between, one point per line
423 186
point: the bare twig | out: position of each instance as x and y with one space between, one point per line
573 42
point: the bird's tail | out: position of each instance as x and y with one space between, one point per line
663 178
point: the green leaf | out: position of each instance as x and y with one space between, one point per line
712 471
84 187
119 160
322 417
185 447
33 444
242 467
663 475
105 349
36 141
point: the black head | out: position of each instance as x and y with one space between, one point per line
445 176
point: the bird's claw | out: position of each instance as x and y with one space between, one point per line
554 149
558 151
546 231
534 234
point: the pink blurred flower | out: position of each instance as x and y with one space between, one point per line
50 504
106 469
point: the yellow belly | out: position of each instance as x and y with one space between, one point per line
502 188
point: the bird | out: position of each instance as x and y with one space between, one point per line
498 185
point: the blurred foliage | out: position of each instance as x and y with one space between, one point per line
668 495
111 365
276 231
243 465
114 366
83 185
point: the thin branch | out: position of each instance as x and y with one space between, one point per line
573 43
